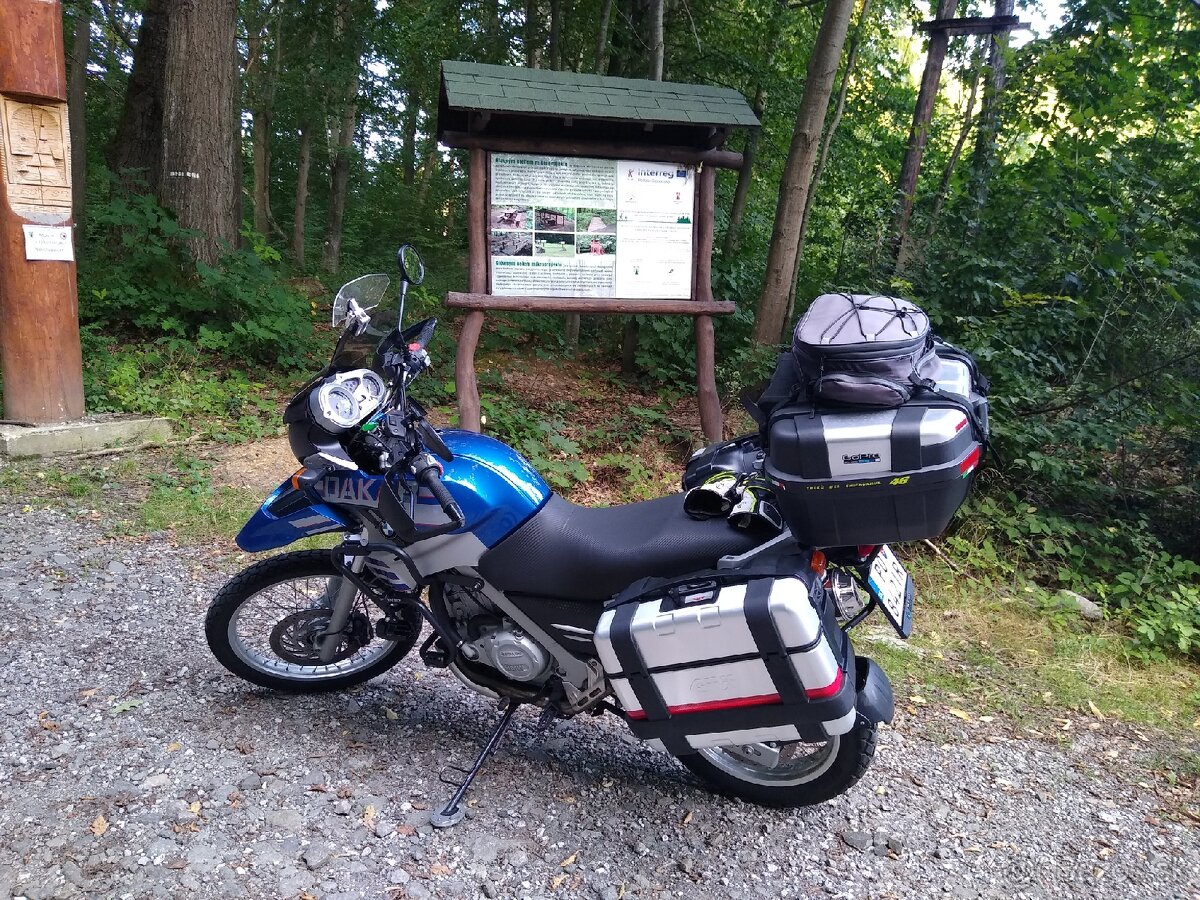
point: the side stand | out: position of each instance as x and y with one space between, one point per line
454 812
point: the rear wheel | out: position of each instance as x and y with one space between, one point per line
264 624
787 775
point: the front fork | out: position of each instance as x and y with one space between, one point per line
343 604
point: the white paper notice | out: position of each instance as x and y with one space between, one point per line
49 242
569 227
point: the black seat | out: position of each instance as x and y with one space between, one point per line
578 553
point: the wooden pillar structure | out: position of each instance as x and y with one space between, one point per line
39 316
940 30
489 110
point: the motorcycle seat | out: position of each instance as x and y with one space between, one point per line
575 552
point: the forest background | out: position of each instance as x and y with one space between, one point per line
1054 229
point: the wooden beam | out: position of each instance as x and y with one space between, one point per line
481 301
974 25
706 214
465 384
723 159
706 379
477 222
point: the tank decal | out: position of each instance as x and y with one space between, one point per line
267 531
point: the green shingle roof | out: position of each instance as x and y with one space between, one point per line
543 92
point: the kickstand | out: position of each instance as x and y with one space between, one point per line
453 812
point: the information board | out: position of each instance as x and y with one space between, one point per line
574 227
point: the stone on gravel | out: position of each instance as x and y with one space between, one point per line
859 840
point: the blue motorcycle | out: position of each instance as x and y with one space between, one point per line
725 646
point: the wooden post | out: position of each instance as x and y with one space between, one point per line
706 379
477 277
39 314
706 374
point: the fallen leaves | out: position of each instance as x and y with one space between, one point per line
368 818
125 706
570 860
391 714
959 714
174 746
687 819
1095 710
99 825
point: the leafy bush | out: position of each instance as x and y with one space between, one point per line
134 279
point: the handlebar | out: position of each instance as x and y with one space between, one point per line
429 474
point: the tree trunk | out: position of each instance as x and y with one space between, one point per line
629 338
408 153
137 144
918 136
533 35
657 40
964 132
200 177
826 143
263 115
76 109
742 191
303 163
602 37
797 175
339 181
984 157
556 29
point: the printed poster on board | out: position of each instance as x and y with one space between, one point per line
572 227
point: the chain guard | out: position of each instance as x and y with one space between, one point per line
294 638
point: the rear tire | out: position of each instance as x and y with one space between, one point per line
830 769
276 606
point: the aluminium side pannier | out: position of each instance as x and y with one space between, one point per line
729 657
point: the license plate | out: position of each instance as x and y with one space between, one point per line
892 587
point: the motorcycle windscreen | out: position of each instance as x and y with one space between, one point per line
285 517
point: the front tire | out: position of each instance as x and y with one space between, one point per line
261 626
815 772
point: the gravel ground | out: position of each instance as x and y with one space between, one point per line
131 765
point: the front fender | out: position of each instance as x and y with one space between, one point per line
287 516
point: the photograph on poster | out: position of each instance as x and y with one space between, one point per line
550 218
596 244
551 244
593 221
519 218
512 243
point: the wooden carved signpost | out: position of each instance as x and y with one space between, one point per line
588 194
39 326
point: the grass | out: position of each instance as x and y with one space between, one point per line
992 650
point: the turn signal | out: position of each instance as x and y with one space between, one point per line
818 563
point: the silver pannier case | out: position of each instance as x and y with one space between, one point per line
710 663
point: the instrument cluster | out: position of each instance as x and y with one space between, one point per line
346 398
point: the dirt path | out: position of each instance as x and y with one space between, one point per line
132 766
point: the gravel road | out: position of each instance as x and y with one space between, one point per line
132 766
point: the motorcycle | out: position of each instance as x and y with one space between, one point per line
727 647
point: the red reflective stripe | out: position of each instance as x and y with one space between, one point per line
961 425
829 690
971 461
739 702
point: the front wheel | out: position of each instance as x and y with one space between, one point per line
787 775
264 624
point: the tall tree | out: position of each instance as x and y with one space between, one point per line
200 173
136 148
918 136
839 107
264 55
602 37
81 44
797 175
984 157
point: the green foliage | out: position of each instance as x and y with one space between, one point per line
1120 564
135 277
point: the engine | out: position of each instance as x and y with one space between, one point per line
493 639
513 653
